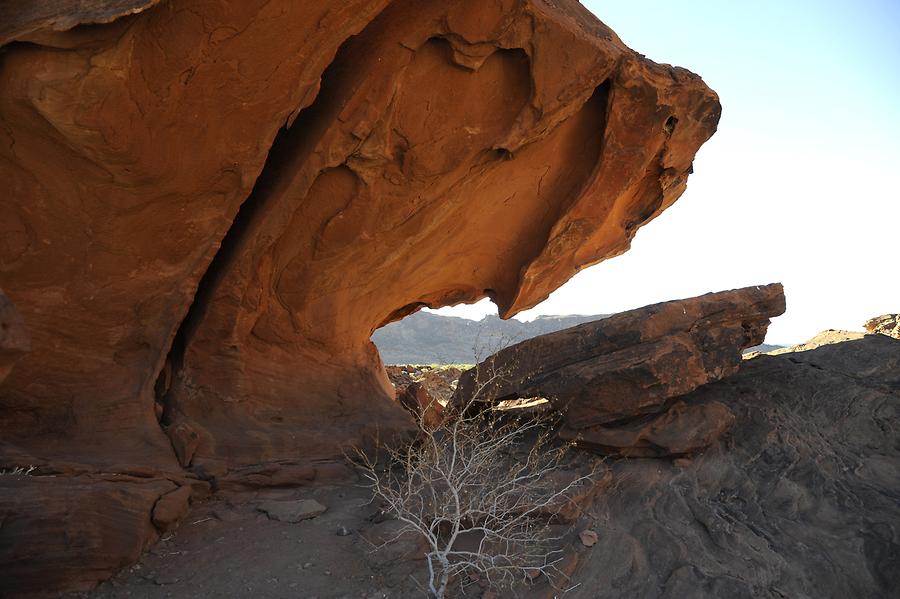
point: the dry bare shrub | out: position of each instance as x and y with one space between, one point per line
482 491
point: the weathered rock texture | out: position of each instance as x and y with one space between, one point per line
436 152
14 340
800 499
887 324
209 206
681 429
29 20
68 532
422 405
439 381
612 378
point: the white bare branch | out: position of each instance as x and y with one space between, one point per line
486 476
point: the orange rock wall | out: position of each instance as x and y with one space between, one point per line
209 206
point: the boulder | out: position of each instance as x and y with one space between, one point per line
422 405
438 380
588 538
801 500
292 511
171 507
632 365
887 324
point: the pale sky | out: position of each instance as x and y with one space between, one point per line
799 184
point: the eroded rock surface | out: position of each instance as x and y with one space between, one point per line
209 206
69 532
14 339
612 378
887 324
800 499
444 159
29 21
681 429
384 156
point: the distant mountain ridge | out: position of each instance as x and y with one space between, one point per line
428 338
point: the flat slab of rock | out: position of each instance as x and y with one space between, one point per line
630 364
683 429
292 511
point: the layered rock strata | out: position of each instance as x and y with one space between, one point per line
680 429
614 379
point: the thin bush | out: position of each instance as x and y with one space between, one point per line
481 490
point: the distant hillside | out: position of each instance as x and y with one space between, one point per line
764 348
427 338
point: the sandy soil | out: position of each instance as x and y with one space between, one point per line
228 548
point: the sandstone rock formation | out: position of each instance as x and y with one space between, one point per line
384 156
422 405
209 206
800 499
887 324
14 340
630 366
69 532
26 20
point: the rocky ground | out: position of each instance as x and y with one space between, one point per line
801 499
231 548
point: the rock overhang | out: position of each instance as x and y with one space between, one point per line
210 206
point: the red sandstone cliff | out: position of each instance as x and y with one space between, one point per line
209 206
